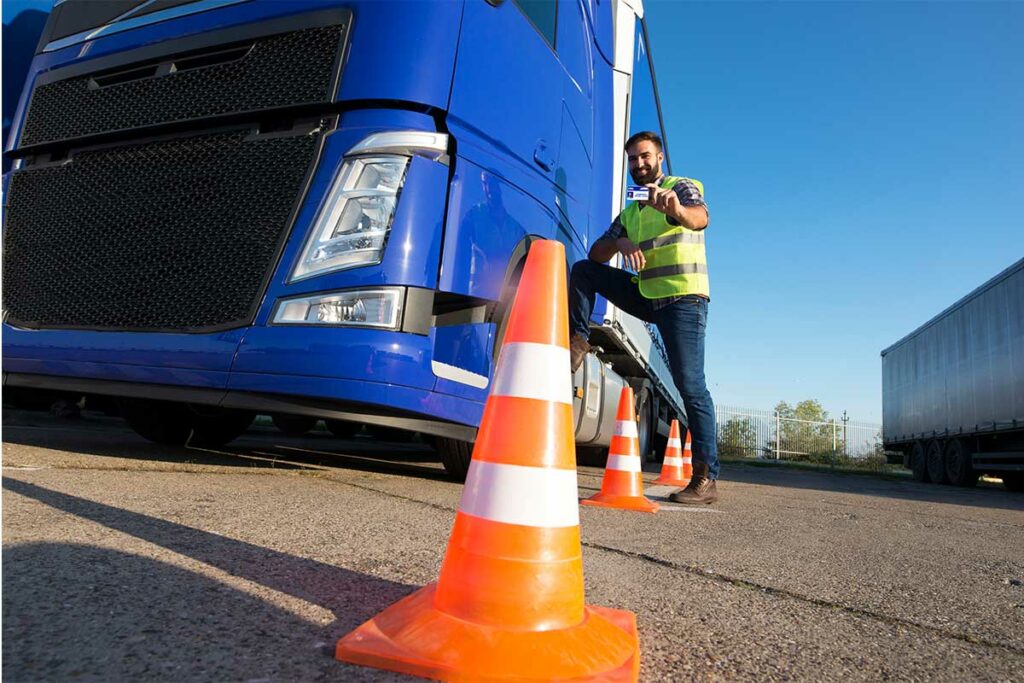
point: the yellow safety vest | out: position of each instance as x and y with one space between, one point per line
677 263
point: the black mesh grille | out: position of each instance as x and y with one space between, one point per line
294 68
170 235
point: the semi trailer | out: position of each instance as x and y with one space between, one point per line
313 209
953 389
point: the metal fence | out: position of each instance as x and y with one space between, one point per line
765 434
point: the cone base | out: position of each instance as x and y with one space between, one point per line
669 481
610 500
413 637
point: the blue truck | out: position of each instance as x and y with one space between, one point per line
312 209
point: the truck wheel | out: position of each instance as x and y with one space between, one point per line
163 422
958 464
644 428
918 462
592 456
382 433
936 462
1013 481
214 427
171 423
293 425
342 428
455 456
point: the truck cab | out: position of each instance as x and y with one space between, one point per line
219 208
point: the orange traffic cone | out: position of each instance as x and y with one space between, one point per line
687 459
623 484
508 604
672 469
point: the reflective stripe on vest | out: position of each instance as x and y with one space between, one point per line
675 256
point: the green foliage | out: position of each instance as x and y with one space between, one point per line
808 433
738 439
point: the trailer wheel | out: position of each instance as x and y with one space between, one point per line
936 462
958 464
455 456
342 428
293 425
1013 481
918 462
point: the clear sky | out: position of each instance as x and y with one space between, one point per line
864 167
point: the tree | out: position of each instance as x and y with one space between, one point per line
738 438
807 432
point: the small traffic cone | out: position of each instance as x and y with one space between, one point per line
687 459
509 603
672 473
623 484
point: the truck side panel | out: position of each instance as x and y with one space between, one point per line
963 371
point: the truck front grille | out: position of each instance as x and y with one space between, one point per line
289 69
176 234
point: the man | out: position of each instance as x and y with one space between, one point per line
662 239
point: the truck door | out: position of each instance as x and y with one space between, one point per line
507 94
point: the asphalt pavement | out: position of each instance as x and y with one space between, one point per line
128 561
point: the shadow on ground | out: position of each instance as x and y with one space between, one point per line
259 447
88 613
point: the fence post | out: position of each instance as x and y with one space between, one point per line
778 435
833 442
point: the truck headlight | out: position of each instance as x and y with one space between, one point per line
353 224
352 227
379 308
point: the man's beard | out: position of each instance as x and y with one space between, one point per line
647 178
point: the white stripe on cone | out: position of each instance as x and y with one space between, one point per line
531 370
624 463
674 462
516 494
675 443
626 428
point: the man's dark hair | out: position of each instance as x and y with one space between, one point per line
644 135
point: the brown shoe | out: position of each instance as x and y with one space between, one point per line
578 348
701 490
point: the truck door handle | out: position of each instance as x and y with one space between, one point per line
541 155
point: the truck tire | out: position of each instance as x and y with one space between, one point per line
644 426
918 462
455 456
958 464
1013 481
214 427
592 456
936 462
342 428
293 425
163 422
382 433
172 424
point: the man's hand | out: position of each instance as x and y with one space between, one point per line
664 201
631 254
667 202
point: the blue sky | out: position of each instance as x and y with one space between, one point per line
863 163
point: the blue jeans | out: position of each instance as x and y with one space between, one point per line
681 324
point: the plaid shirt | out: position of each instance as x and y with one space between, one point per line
689 195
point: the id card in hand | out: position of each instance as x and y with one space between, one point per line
637 193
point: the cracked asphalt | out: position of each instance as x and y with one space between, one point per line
127 561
